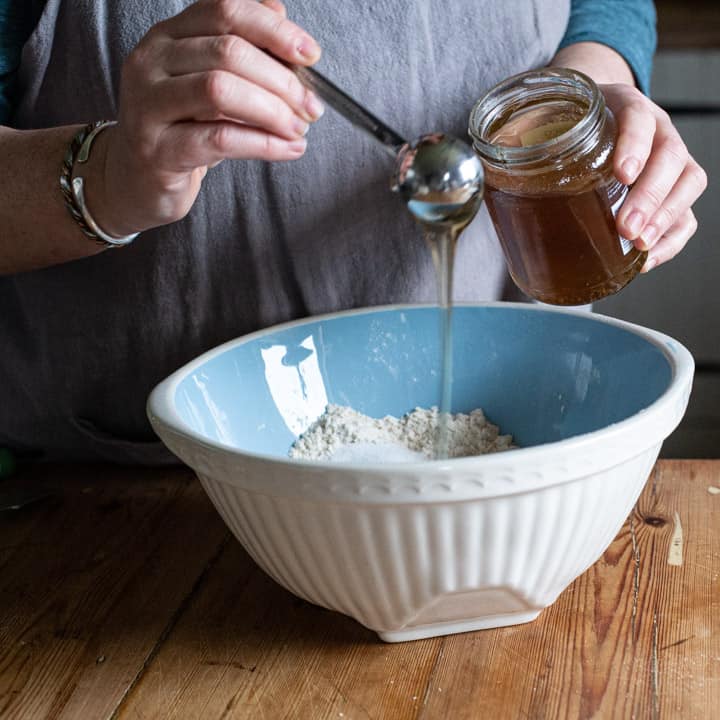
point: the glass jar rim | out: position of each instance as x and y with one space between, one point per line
517 91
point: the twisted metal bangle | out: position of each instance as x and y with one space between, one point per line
72 188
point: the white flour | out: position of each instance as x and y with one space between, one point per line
345 435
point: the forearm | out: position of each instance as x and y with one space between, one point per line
600 62
36 229
187 101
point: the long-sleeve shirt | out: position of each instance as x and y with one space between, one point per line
627 26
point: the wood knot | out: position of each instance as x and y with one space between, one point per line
655 521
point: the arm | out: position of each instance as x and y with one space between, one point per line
626 26
196 90
601 62
650 154
37 230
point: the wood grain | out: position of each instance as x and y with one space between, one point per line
632 637
249 649
88 591
125 599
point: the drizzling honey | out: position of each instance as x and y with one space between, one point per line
441 235
441 180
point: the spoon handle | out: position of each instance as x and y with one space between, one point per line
342 103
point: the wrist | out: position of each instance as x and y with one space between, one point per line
133 194
600 62
103 201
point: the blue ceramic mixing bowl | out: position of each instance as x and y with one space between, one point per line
420 549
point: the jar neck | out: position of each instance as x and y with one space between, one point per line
536 88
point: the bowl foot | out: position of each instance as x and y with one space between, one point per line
419 632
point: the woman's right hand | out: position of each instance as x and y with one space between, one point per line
199 89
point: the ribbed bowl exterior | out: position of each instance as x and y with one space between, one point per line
420 549
411 570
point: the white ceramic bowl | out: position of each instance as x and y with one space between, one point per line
421 549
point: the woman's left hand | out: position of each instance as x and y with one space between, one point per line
651 156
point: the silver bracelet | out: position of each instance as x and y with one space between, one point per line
73 188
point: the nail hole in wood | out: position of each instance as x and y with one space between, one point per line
655 521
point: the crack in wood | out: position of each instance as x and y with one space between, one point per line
431 678
676 643
230 706
349 705
655 475
171 623
654 671
636 577
233 664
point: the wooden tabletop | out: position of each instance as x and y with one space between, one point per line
122 595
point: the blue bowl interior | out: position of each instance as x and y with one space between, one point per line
541 375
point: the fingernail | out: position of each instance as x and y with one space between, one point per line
650 263
634 223
301 127
631 167
314 106
649 236
308 49
298 146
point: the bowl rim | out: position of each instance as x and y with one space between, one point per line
162 413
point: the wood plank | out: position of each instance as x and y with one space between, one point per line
17 529
130 602
633 637
86 595
246 648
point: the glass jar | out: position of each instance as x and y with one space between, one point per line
546 141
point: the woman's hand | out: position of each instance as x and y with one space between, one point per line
198 89
651 156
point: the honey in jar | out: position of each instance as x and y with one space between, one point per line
546 140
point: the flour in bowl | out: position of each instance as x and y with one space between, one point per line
342 434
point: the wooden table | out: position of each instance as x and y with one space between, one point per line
123 596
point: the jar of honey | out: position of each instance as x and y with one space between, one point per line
546 141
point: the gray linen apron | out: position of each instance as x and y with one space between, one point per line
82 344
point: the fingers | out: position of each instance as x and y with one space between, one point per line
651 156
672 242
688 188
665 165
201 87
239 57
207 144
257 23
219 95
636 125
173 77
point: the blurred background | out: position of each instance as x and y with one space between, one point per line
682 298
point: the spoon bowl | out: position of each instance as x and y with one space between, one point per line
439 177
441 180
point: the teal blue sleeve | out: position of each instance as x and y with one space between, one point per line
627 26
17 21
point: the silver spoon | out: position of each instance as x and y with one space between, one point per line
439 177
441 180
